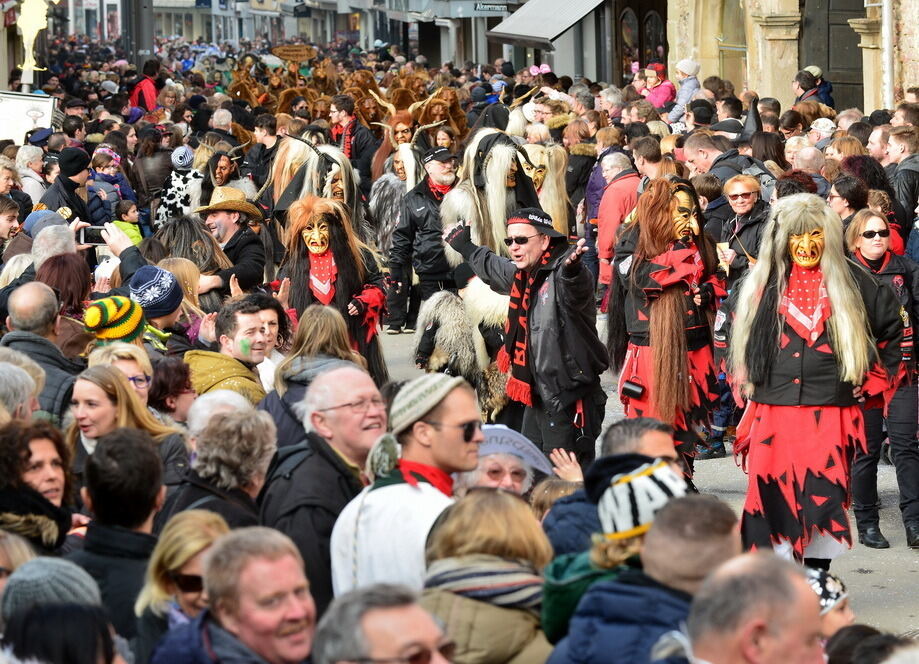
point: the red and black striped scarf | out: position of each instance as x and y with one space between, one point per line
516 353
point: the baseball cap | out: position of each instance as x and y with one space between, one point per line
815 70
535 218
437 154
823 125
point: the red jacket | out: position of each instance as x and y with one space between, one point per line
619 198
144 94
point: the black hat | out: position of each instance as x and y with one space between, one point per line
437 154
536 218
40 137
75 103
73 161
507 69
702 112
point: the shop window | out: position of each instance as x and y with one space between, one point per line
732 43
628 34
655 39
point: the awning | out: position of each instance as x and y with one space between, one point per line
540 22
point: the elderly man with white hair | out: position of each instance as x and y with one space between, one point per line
619 198
222 124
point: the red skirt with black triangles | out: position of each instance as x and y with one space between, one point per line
798 460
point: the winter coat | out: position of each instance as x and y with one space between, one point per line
485 633
27 513
216 371
150 174
805 372
417 242
744 234
571 522
60 373
717 214
99 212
281 408
660 95
195 492
566 357
247 253
62 193
825 93
619 199
151 628
581 160
73 339
24 201
307 487
363 147
621 621
906 182
143 95
731 163
33 184
257 163
596 185
117 559
689 86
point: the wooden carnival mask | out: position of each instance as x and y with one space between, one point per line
683 212
806 249
316 234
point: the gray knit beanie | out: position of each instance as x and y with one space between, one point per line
419 397
47 581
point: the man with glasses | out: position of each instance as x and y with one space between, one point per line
380 624
310 483
380 536
552 353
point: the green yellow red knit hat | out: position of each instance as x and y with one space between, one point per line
114 318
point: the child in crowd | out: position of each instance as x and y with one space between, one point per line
127 218
835 611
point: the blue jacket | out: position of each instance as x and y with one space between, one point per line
571 522
185 645
825 93
688 87
621 620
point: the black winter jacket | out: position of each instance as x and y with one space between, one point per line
62 193
417 239
808 375
307 488
247 253
24 201
151 174
363 147
566 356
580 163
117 559
60 373
195 492
743 234
906 182
731 163
717 214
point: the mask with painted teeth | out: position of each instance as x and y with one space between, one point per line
806 249
683 211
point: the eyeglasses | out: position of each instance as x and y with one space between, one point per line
420 656
140 381
743 194
870 234
469 428
358 407
520 239
188 583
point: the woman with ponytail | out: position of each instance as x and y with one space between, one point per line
664 293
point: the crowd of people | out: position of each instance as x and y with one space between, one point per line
203 457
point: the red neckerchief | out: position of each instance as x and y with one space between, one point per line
805 304
439 190
347 137
323 271
435 476
864 261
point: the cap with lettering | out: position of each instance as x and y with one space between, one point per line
536 218
437 154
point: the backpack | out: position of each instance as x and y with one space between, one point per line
753 168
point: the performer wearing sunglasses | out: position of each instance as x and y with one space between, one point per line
552 353
815 336
869 240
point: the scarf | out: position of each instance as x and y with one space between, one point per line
323 272
438 190
516 353
411 471
510 584
347 137
805 304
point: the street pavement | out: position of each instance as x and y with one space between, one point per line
882 583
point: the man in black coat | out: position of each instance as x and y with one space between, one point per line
354 139
124 490
227 218
62 193
309 484
903 149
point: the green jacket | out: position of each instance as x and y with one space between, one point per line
216 371
567 579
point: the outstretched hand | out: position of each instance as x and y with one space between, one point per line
579 250
565 465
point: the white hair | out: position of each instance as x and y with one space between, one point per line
52 241
617 160
211 403
320 393
222 118
27 154
16 387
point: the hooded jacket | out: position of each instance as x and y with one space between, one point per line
566 356
33 184
689 86
661 95
216 371
568 577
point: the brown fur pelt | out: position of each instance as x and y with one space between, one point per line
31 526
287 96
454 338
401 98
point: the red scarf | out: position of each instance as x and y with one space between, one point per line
439 190
516 353
347 137
435 476
805 304
323 272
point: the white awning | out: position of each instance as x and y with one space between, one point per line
540 22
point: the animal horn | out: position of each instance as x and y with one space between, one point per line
388 130
309 143
238 148
519 100
385 104
423 128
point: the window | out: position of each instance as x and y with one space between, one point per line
732 43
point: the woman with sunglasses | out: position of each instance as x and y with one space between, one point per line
868 239
174 591
484 581
740 236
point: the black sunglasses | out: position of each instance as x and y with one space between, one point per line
870 234
188 583
469 428
520 239
420 656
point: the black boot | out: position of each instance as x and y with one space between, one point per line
912 535
713 449
818 563
872 537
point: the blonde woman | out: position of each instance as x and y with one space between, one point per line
14 551
103 402
174 592
130 360
483 581
188 276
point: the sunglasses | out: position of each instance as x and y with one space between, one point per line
743 194
469 428
420 656
520 239
870 234
188 583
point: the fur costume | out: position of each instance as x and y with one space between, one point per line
553 162
385 205
482 199
459 347
175 198
354 277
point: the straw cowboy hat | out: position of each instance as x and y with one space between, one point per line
229 198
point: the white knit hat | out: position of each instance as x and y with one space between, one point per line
419 397
688 67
